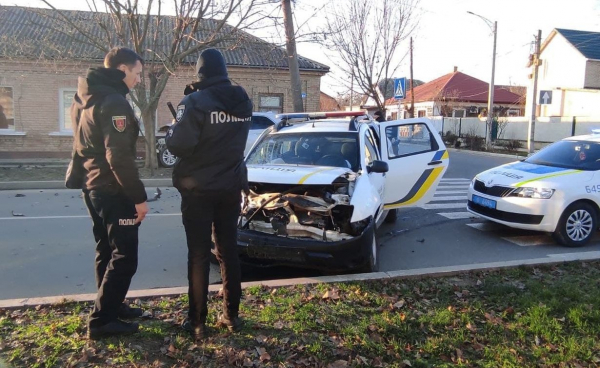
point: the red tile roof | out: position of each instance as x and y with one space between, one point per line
461 87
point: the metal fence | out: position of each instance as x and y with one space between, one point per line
547 129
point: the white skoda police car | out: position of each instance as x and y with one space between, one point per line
320 184
556 190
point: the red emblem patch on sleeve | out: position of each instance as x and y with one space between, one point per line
120 123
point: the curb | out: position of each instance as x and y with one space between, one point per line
403 274
59 184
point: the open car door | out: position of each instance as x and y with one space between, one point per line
417 158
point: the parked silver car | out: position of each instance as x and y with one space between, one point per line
260 122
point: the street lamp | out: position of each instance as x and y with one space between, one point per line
488 134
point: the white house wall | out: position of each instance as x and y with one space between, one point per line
563 67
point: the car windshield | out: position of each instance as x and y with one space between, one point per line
579 155
319 149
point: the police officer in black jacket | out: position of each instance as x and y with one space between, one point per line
105 136
209 138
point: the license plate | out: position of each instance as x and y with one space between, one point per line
279 254
161 141
489 203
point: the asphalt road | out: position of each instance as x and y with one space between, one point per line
49 250
444 234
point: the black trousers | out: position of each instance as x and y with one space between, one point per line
116 239
203 215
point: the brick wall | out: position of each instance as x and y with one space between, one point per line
36 87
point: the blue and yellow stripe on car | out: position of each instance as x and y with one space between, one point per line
440 155
548 176
422 186
305 177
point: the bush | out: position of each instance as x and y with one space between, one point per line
450 138
474 142
513 145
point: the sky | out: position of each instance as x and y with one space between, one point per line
447 36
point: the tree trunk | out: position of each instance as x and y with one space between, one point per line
290 43
149 117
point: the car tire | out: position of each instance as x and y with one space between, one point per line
392 216
166 158
577 225
373 259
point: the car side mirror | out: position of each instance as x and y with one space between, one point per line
378 167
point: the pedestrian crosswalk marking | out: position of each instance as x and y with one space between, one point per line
529 240
486 226
451 192
456 215
437 206
448 198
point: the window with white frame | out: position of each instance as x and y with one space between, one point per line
65 97
458 113
7 108
271 102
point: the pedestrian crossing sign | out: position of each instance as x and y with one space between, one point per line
399 88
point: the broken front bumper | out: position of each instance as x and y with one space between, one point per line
263 249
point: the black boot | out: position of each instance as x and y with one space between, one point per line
114 328
233 325
199 333
126 312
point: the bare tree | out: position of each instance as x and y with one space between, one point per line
166 42
367 36
343 99
447 101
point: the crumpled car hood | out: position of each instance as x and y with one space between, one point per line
287 174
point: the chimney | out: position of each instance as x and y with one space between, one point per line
455 69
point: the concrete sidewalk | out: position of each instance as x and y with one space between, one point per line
416 273
57 184
60 184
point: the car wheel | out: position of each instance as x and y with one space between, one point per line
166 158
577 225
373 262
392 216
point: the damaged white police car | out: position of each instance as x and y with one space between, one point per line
556 190
320 184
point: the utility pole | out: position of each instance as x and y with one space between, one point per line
490 115
412 95
536 64
290 45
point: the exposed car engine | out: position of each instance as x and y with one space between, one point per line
320 212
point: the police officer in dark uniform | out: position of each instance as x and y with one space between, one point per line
105 135
209 138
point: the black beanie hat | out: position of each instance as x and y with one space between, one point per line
210 64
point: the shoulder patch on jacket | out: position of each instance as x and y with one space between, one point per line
180 111
120 123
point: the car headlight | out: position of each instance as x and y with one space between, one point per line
529 192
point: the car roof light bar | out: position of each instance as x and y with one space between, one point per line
303 116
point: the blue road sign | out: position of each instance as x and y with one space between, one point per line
399 88
545 98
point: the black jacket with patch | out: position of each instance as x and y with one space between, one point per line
209 137
106 133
